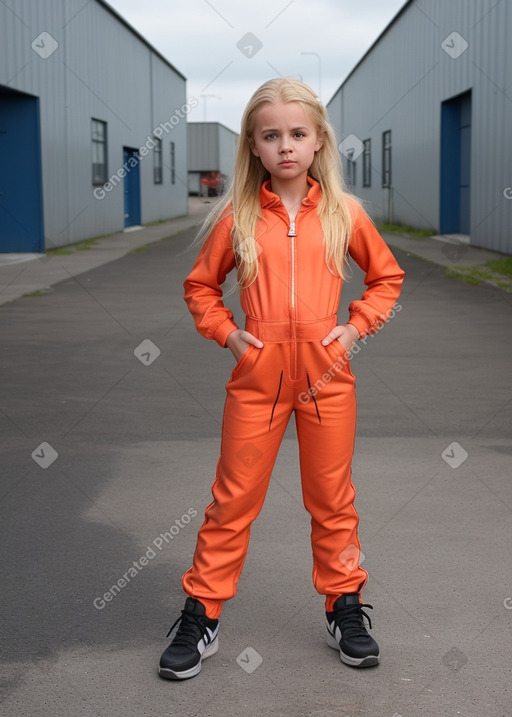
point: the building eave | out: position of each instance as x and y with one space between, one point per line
140 37
369 50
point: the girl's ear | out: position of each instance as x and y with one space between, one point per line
319 144
253 147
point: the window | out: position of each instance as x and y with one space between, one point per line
386 158
173 165
99 152
367 163
158 176
351 171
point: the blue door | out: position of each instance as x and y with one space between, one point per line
131 160
456 165
21 195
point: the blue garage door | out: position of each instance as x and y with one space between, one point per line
131 187
21 196
456 165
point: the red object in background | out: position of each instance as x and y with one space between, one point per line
214 181
211 179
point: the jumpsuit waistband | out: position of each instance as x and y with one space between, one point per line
282 331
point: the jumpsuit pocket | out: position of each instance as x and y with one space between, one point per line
339 356
245 359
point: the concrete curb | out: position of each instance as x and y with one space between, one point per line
453 254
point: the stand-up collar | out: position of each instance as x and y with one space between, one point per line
269 198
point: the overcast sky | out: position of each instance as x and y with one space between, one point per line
227 48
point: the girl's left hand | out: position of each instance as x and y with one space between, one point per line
347 335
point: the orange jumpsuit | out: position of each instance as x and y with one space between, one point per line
290 307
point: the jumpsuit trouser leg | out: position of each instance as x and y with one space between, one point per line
252 430
326 436
265 387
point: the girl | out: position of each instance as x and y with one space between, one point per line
287 226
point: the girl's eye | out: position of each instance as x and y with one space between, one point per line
270 136
298 135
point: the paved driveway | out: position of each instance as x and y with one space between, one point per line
110 413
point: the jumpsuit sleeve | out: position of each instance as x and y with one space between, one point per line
383 279
203 293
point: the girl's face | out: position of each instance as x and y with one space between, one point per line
285 139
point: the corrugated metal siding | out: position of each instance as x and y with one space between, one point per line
401 84
227 148
170 109
99 70
211 148
492 144
203 147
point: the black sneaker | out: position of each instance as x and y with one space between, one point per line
346 632
195 640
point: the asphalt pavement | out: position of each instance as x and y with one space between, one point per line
110 415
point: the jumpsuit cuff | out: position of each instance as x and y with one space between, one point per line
361 323
222 332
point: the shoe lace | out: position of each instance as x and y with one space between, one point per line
191 628
350 619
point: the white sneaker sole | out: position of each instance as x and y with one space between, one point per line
368 661
192 671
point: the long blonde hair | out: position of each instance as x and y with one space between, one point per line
243 197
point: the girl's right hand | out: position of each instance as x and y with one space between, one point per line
238 341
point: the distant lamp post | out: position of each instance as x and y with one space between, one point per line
205 98
319 70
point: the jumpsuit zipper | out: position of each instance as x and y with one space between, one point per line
292 233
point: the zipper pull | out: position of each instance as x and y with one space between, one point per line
291 231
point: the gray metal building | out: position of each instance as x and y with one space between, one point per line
92 125
211 157
425 121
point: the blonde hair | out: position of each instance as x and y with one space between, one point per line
243 196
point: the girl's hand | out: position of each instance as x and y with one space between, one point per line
238 341
346 335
